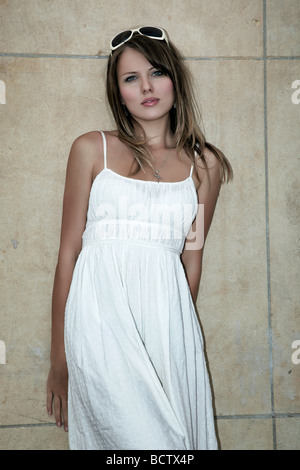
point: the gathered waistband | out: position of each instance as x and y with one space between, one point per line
147 244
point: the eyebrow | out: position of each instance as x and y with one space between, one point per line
129 73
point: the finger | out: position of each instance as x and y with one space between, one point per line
57 410
49 402
64 404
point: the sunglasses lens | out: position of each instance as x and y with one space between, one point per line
151 32
120 38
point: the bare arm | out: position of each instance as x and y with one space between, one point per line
76 197
208 193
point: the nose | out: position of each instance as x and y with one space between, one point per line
146 86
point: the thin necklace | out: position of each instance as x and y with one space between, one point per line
156 174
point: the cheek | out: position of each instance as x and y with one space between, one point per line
168 88
127 94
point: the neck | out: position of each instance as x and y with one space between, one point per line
158 134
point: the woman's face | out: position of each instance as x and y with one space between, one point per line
147 93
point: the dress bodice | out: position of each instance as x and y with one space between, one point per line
128 209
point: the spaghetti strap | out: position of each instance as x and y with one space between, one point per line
193 164
104 149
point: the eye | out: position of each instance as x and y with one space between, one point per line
131 78
157 73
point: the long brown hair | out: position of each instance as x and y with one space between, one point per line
184 118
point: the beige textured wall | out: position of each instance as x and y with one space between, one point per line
245 56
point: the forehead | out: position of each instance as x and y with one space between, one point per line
131 60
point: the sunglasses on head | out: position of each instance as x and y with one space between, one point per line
151 32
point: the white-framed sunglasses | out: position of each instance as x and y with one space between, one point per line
151 32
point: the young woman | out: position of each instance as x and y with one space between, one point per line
126 342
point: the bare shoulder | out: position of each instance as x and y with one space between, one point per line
87 152
213 165
210 157
88 145
113 142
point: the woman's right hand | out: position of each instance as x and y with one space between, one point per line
57 395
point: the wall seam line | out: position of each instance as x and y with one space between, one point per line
33 55
266 150
224 417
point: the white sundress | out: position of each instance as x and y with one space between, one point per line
137 372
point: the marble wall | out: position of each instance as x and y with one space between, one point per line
244 56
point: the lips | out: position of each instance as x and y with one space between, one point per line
150 101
